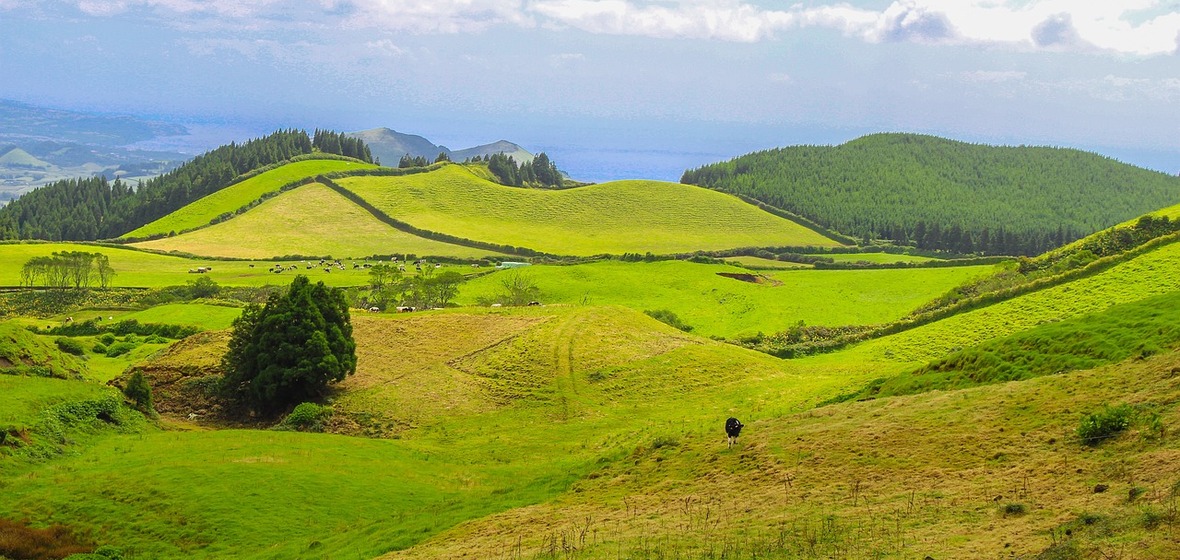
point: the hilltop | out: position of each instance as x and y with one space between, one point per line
389 145
942 194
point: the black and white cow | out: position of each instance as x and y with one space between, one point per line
733 427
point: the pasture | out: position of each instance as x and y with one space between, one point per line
614 218
200 212
716 305
311 220
142 269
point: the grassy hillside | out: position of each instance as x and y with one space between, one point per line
22 353
200 212
723 306
309 220
618 217
887 184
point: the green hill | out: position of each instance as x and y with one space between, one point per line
942 194
22 353
617 217
740 304
230 199
309 220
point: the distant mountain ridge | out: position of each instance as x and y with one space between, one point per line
389 146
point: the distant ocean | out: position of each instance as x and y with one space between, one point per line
601 165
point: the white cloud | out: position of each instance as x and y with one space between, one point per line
385 47
779 77
1133 27
993 76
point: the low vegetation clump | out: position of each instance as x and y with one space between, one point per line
139 391
668 318
69 345
23 353
19 541
307 417
1104 424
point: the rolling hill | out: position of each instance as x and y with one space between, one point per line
238 195
311 220
618 217
942 194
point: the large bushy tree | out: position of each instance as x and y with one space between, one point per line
289 350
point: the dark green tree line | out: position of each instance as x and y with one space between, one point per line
95 208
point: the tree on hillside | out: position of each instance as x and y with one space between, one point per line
289 350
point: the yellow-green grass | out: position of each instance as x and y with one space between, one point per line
720 306
22 399
603 417
311 220
200 315
979 473
151 270
616 217
200 212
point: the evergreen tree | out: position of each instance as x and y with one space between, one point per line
290 349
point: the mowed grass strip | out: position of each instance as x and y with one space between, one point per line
233 197
715 305
615 218
311 220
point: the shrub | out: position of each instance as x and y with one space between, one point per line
99 348
140 391
1014 509
1100 426
307 417
70 346
119 348
107 339
668 318
18 540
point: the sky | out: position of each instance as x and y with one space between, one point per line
618 88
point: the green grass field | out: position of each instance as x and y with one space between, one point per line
719 306
205 316
233 197
617 217
150 270
311 220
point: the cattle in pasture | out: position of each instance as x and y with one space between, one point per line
534 303
733 428
374 309
406 308
251 266
497 305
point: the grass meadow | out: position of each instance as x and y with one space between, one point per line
715 305
615 218
309 220
200 212
141 269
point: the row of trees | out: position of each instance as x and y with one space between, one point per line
68 269
95 208
331 142
540 172
946 195
388 287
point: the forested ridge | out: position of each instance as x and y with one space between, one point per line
87 209
947 195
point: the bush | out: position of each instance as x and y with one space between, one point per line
1100 426
668 318
99 348
70 346
307 417
140 391
119 348
1014 509
107 339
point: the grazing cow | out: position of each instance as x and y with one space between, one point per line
251 266
375 309
531 303
733 427
406 309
